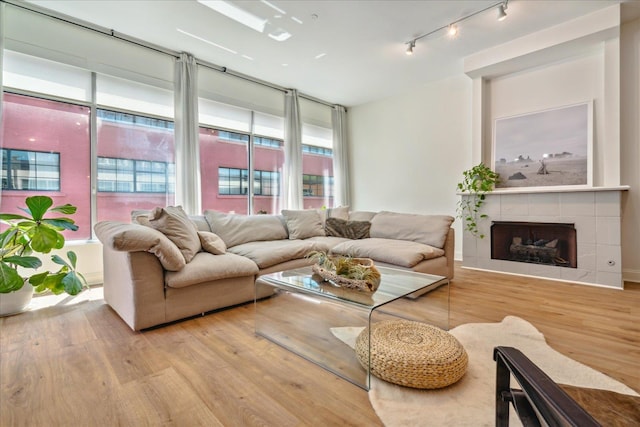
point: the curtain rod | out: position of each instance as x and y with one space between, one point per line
112 33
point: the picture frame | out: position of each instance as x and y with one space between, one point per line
546 148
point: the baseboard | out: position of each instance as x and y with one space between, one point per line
94 278
629 275
553 279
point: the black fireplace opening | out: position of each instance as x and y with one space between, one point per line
534 242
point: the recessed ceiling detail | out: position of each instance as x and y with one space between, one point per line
258 23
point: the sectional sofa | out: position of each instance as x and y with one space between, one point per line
165 265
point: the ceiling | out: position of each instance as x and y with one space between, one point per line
345 52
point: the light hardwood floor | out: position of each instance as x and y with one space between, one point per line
80 365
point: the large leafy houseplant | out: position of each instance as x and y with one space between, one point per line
476 183
37 233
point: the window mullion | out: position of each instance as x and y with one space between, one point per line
93 154
250 173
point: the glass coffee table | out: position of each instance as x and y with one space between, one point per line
302 310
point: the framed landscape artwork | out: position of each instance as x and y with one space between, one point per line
545 148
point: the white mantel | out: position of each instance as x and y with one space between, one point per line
557 189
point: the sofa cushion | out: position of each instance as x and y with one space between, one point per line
200 222
237 229
303 224
361 216
266 254
402 253
350 229
138 238
327 242
212 243
206 267
174 223
427 229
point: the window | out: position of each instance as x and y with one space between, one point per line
268 161
134 153
135 165
266 183
233 136
30 170
134 176
317 186
45 148
321 151
317 163
118 117
267 142
232 181
47 144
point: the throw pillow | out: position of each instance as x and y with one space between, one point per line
174 223
140 216
212 243
134 238
350 229
341 212
303 224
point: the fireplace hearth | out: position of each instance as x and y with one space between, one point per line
534 242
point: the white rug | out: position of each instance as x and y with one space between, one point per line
470 402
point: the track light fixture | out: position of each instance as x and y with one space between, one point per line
452 28
502 11
411 44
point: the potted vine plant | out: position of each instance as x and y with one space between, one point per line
32 234
476 183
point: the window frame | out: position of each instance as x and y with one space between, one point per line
243 175
9 177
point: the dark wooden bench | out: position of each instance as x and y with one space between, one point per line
541 401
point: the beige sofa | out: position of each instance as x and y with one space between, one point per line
165 266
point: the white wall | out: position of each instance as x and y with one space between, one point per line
407 153
630 148
89 259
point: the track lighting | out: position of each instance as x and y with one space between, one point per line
452 28
502 11
411 44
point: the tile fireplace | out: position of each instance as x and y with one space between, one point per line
585 222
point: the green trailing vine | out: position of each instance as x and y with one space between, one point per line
476 183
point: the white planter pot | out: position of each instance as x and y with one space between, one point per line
16 302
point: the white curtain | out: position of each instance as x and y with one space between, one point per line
342 196
186 135
292 179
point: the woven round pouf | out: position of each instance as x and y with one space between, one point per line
412 354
